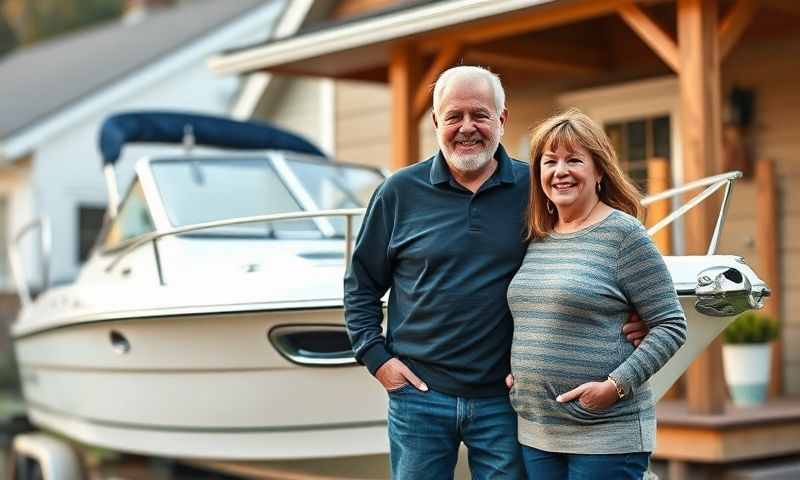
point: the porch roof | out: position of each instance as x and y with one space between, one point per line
358 48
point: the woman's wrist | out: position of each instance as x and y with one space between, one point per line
617 386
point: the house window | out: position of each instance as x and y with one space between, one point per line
90 222
638 140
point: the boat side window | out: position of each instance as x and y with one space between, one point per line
334 186
133 219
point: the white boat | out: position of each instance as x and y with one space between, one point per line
220 340
208 322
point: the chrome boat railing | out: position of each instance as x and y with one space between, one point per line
713 184
154 237
42 224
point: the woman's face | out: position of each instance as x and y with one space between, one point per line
569 177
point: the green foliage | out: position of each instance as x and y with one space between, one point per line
8 39
48 18
752 327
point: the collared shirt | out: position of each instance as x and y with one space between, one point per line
448 256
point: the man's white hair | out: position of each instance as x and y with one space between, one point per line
469 72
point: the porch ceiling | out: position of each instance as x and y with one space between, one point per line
362 49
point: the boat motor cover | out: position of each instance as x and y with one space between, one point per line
207 130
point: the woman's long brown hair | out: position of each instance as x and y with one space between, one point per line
573 128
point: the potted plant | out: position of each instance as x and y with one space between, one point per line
746 357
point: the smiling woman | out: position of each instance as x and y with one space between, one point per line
580 389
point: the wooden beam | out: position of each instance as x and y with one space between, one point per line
537 18
767 246
532 64
652 34
701 139
446 57
404 75
734 24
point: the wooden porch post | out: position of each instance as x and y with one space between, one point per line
701 134
767 249
404 76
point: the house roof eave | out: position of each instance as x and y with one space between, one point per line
370 35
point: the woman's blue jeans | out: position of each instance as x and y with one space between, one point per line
542 465
427 428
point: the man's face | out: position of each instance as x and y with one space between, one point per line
468 128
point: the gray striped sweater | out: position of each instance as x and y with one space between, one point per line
569 300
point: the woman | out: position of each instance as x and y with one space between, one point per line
580 389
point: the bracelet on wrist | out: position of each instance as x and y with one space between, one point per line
617 387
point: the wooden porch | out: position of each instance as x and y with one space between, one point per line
576 44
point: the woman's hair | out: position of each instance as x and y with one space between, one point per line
571 129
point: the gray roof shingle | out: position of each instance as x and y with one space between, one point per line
45 78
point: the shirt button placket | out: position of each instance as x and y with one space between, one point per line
474 215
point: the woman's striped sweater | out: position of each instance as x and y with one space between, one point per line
569 300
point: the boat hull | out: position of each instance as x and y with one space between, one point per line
213 385
200 387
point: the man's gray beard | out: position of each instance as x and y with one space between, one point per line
470 163
476 161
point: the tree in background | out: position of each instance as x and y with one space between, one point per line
8 39
36 20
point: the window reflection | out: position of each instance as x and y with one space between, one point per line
133 219
211 189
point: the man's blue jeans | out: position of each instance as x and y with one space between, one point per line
542 465
427 428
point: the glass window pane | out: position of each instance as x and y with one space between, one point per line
212 189
662 146
636 141
616 136
133 219
333 187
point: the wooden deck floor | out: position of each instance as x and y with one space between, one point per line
771 430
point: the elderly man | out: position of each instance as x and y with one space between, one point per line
446 235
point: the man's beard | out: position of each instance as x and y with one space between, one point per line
474 161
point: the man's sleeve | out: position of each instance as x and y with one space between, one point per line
367 281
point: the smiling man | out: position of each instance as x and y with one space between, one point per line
446 235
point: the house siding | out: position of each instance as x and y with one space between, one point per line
769 68
363 125
297 106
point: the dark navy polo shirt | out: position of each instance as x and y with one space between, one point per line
448 256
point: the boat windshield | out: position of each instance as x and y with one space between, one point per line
210 189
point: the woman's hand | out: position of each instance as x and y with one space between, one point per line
592 395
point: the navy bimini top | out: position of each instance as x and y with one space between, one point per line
448 256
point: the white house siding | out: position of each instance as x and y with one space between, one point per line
296 104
